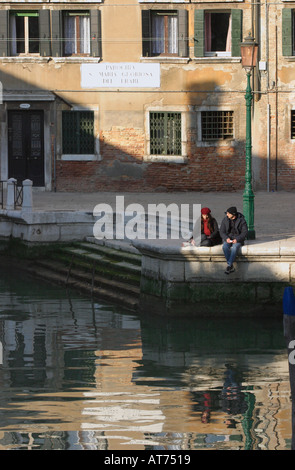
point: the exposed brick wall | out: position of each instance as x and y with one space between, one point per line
122 168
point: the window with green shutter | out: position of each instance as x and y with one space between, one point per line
4 43
165 133
24 31
218 33
164 33
76 33
78 132
288 32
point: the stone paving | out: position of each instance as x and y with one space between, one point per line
274 211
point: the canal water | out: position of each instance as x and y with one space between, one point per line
80 374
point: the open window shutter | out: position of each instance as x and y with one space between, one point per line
44 31
56 30
146 33
4 44
236 32
95 32
287 45
182 33
199 37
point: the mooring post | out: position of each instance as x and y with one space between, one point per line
27 204
289 334
10 198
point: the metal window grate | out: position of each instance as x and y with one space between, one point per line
78 132
293 124
217 125
165 133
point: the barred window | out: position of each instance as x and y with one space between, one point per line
165 133
293 124
217 125
78 132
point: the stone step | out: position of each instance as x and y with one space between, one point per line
120 245
87 276
46 273
105 264
114 251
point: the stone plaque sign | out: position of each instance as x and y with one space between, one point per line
120 75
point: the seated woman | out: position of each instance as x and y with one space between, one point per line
209 230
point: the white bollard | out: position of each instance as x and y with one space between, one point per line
27 204
10 198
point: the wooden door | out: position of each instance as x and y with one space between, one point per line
26 146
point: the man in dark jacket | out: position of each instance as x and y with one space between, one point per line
233 231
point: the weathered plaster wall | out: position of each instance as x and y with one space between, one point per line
187 85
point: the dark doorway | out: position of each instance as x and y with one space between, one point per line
26 146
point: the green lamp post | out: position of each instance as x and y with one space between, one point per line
249 57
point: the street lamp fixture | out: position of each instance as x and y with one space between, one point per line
249 57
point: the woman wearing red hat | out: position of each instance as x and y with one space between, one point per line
209 230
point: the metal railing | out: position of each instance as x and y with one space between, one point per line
2 194
18 194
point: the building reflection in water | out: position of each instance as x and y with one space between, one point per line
78 375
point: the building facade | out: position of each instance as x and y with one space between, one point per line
110 95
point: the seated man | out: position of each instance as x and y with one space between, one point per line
233 231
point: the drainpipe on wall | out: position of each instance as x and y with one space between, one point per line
256 34
267 88
268 144
276 91
54 149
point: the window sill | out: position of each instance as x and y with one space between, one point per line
289 58
164 159
166 60
44 60
25 59
214 59
76 60
80 158
216 143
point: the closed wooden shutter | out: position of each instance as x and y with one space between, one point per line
287 40
236 32
4 43
95 32
44 31
199 37
183 33
56 29
146 33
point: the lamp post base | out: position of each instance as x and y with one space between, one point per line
251 235
248 212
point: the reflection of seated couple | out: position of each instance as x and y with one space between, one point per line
233 232
231 399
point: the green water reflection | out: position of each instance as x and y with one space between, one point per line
78 374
